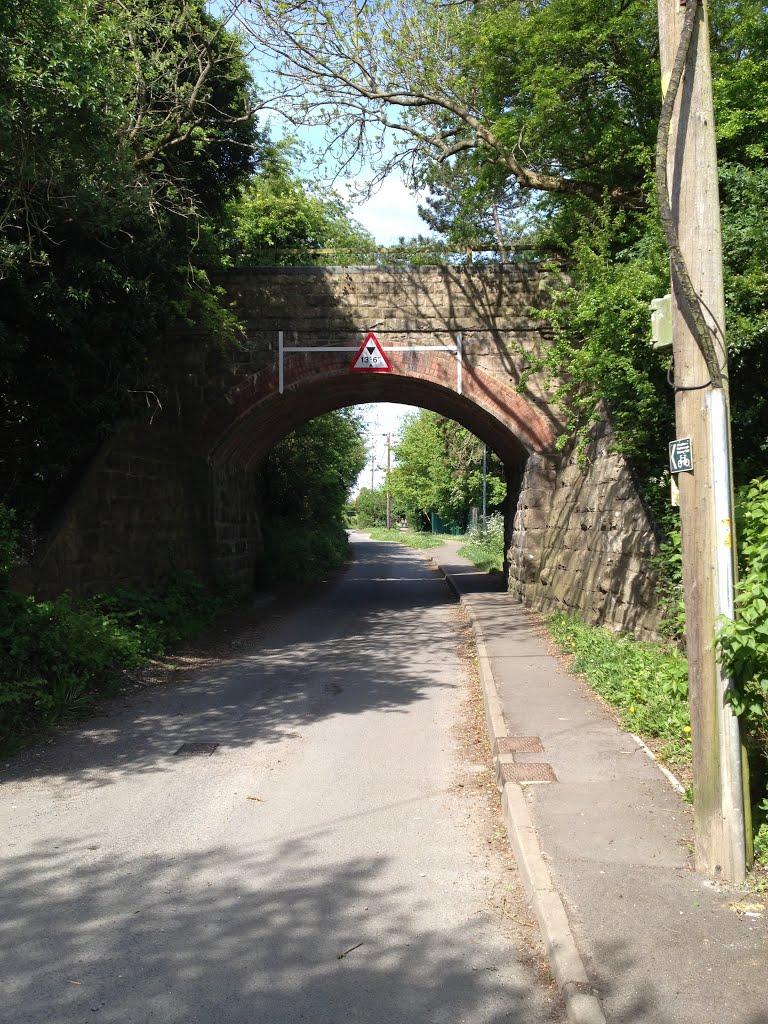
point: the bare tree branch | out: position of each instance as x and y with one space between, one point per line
386 64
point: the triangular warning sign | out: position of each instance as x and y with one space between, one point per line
370 357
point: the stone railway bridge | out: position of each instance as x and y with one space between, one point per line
178 487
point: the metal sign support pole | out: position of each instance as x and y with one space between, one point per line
458 348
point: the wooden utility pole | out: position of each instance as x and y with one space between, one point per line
701 406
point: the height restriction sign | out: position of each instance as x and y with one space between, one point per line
370 357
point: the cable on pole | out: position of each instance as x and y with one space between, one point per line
702 332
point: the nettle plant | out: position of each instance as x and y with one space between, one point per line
743 642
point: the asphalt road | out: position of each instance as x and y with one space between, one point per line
328 862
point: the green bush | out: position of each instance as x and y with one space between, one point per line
744 641
371 508
158 619
55 659
58 657
300 553
8 540
669 590
743 644
760 825
485 544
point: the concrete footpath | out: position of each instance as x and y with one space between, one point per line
634 934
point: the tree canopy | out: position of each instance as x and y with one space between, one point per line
539 119
131 165
439 469
278 218
309 474
123 128
544 91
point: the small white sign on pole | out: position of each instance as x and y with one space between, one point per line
681 456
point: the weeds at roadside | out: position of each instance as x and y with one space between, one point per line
646 683
410 538
59 658
484 545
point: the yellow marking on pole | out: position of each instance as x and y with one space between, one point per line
726 533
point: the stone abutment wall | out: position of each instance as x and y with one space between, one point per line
181 492
582 540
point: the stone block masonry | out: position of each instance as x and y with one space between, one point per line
181 492
149 507
582 540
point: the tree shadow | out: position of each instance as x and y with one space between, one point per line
371 643
259 937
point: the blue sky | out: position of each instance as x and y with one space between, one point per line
391 213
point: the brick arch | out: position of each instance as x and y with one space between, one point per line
178 491
253 416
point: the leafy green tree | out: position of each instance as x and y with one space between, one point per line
123 127
439 469
306 480
371 507
308 475
278 218
553 92
540 119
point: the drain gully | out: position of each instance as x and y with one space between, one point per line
527 771
519 745
196 749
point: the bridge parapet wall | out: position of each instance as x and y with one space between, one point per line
181 492
494 307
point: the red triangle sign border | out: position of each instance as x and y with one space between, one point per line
362 361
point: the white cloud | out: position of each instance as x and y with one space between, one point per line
391 213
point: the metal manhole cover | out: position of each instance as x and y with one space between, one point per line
519 745
531 772
196 749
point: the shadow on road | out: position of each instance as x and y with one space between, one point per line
192 939
373 639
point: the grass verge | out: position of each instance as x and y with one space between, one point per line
485 544
484 556
647 684
410 538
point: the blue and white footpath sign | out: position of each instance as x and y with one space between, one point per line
681 456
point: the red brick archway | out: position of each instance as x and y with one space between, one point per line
254 416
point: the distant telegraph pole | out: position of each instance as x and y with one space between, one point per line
388 436
485 486
692 221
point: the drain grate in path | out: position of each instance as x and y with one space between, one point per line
519 745
528 772
196 749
